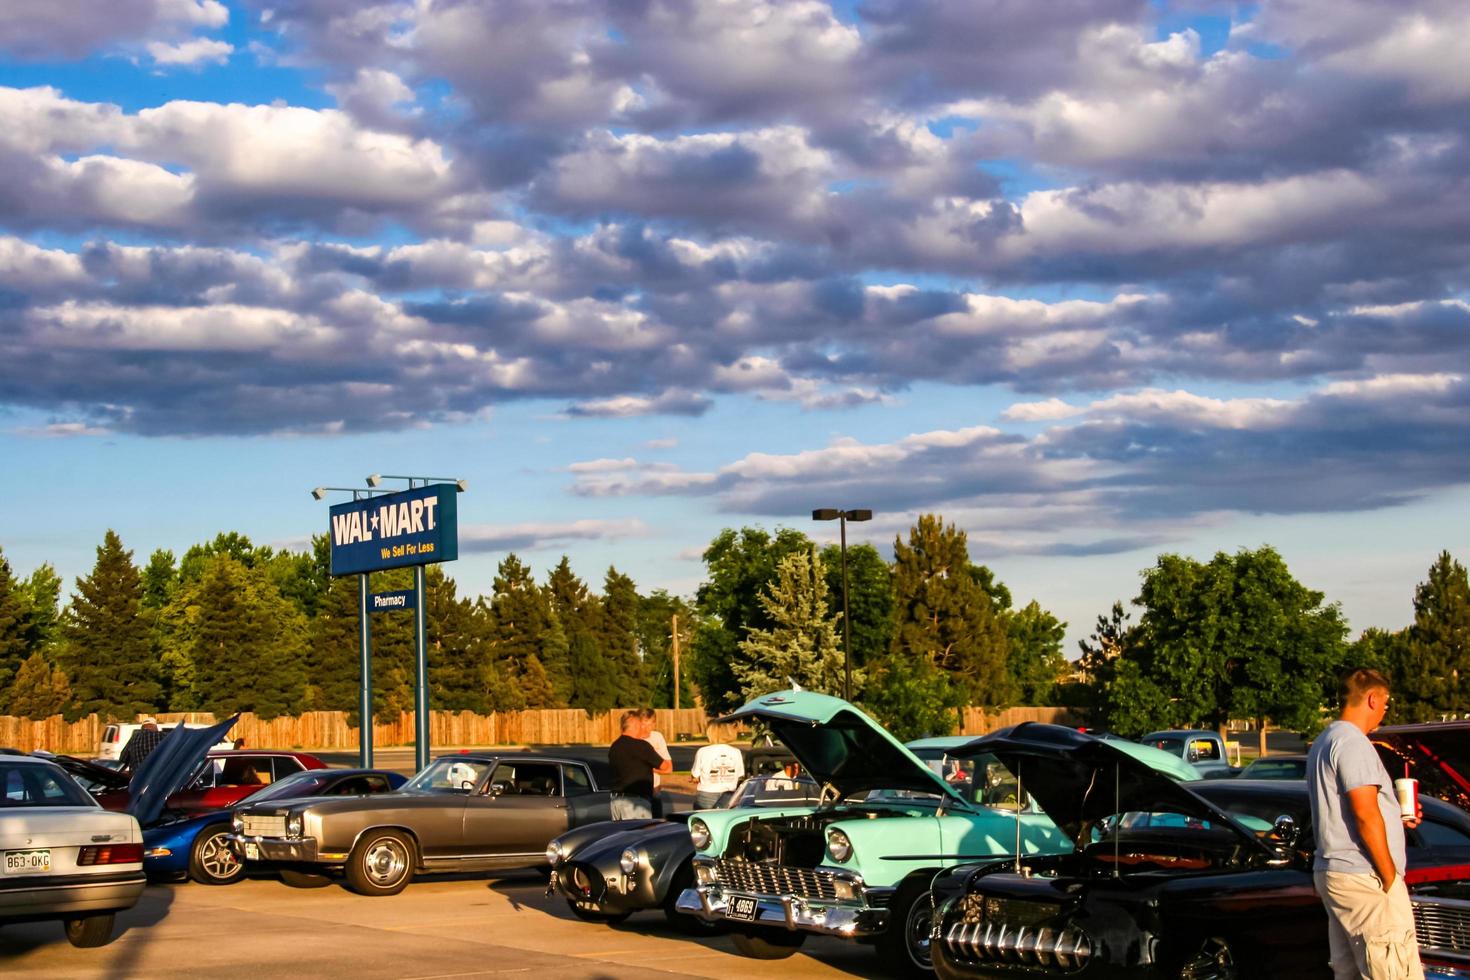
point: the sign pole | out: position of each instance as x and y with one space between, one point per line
365 695
421 674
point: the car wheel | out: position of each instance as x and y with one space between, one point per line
304 879
89 931
380 864
690 925
1214 960
212 861
904 947
592 915
768 944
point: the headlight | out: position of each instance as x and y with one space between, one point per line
699 834
628 861
293 825
839 846
553 852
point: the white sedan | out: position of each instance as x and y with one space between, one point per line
61 855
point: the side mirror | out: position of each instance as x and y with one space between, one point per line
496 789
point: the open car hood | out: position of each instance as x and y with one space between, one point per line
839 745
1078 779
169 766
1437 754
83 770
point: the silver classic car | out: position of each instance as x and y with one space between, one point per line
460 813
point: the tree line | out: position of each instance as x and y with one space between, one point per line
232 626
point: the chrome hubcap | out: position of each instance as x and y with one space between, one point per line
1214 961
386 861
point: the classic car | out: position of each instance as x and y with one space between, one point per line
197 845
1276 767
1165 879
1435 753
64 856
223 779
466 812
858 864
607 871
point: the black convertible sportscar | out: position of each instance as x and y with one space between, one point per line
1212 880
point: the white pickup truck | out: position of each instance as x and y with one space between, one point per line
115 738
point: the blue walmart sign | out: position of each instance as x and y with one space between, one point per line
413 527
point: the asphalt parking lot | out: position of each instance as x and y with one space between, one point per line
454 926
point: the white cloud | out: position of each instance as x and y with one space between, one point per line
192 52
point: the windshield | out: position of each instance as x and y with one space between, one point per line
778 790
981 779
307 783
449 776
37 784
1173 746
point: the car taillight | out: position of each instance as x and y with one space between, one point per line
110 854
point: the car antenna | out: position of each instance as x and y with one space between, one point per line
1117 808
1020 788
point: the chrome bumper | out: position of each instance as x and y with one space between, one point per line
791 912
284 849
67 894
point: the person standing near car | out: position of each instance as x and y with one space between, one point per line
718 768
1360 857
141 745
634 761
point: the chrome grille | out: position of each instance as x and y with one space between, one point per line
252 825
776 879
1000 942
1443 924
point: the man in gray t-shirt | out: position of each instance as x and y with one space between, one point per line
1359 864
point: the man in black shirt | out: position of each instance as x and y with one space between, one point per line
634 761
144 741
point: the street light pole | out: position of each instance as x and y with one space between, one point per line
842 517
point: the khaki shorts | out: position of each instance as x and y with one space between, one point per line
1370 932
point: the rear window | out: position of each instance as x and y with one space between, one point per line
39 785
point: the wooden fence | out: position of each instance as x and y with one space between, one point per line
329 729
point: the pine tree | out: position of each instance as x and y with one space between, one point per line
456 665
39 690
619 640
13 611
1437 679
248 642
944 615
42 592
107 651
573 611
801 647
333 669
522 620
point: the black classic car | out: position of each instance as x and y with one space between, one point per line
1209 880
608 871
465 812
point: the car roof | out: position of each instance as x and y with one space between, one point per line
7 757
1423 726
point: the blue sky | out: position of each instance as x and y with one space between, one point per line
1094 280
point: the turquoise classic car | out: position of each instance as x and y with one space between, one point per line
859 864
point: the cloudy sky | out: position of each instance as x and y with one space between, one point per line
1094 279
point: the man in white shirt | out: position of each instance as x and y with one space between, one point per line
718 768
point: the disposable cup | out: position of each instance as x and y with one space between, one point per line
1407 790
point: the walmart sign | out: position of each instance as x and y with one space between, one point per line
414 527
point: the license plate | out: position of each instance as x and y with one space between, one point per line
27 862
252 852
742 908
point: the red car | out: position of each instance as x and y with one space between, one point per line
226 778
1437 753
